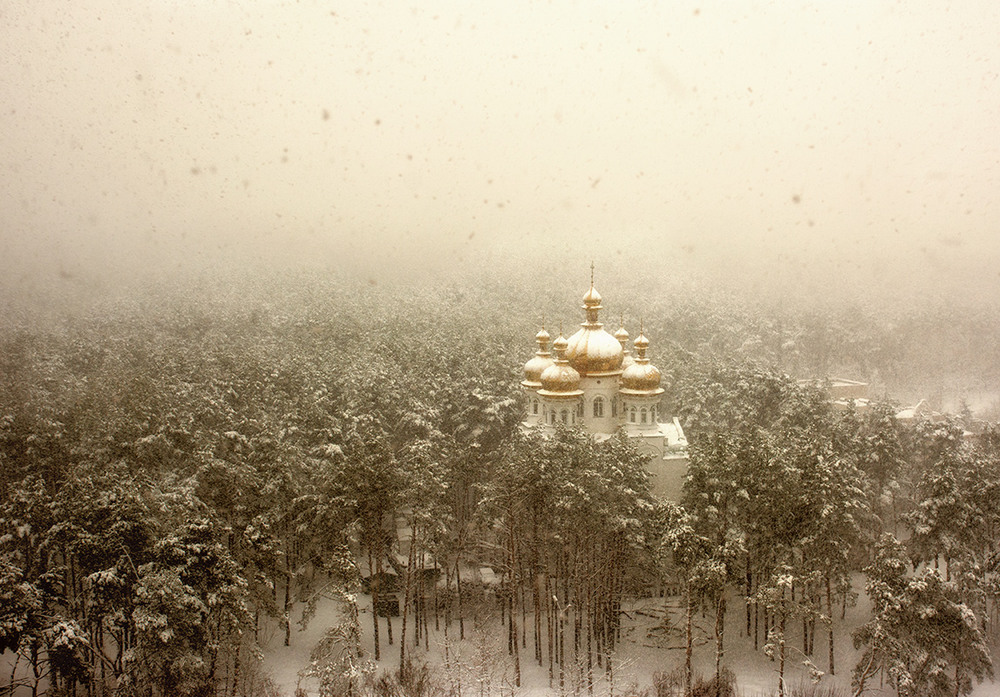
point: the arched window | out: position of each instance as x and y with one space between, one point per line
579 408
598 407
534 406
565 416
552 418
631 415
614 407
644 415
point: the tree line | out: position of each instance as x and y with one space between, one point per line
787 498
176 476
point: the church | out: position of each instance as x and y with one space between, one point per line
593 381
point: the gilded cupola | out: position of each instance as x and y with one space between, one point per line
622 336
542 359
592 350
560 379
642 377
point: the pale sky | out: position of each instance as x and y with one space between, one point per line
794 142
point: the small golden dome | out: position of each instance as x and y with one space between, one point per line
641 378
622 336
533 370
542 359
560 379
592 298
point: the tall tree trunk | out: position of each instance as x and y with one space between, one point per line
805 617
458 586
756 622
35 669
506 607
549 628
720 632
418 598
514 645
447 607
374 574
424 621
829 611
236 672
434 591
749 586
288 598
406 600
781 645
608 670
561 628
590 634
524 612
536 598
388 617
688 638
514 583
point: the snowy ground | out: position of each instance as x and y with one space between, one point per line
482 662
484 654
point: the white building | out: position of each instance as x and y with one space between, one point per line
593 382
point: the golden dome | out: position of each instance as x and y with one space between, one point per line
622 336
641 378
542 359
560 379
591 350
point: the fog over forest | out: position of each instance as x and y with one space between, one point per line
270 273
782 148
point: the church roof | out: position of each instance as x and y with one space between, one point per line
592 350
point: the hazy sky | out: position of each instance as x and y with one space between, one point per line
796 141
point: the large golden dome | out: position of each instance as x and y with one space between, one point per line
560 379
591 350
542 359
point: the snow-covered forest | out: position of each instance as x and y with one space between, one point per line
179 472
270 273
